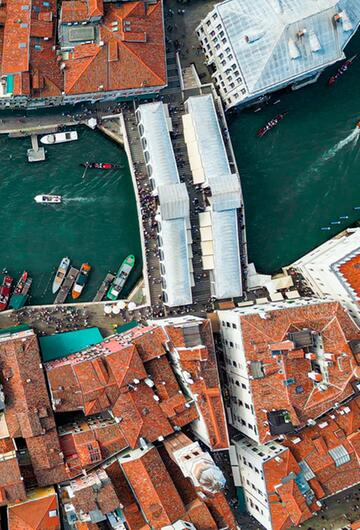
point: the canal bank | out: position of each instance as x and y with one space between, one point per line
97 221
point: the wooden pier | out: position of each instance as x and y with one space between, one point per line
103 287
66 285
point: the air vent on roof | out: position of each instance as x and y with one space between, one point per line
22 45
315 45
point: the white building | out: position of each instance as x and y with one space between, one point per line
247 460
258 47
286 364
174 229
219 225
332 269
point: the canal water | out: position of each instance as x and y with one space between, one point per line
96 223
305 173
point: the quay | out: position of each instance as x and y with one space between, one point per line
36 153
103 287
66 286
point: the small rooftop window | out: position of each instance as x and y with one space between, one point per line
22 44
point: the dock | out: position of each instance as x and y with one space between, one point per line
66 285
36 153
103 287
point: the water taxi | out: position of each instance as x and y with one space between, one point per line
59 138
48 199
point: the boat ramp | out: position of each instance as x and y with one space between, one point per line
103 287
66 285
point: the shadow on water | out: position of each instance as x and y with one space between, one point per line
96 222
303 174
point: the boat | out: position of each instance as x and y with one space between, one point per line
60 274
121 277
325 228
5 289
271 124
81 280
335 222
343 217
48 199
21 283
358 125
18 300
59 138
101 165
343 68
356 208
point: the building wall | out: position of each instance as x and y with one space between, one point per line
241 402
251 458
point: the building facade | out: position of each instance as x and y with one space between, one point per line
332 270
254 48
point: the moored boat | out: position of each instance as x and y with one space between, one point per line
101 165
81 280
21 283
59 138
5 289
340 71
48 199
60 274
121 277
271 124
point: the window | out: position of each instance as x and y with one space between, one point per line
237 383
234 363
214 16
243 385
218 27
234 326
231 344
228 324
208 22
247 406
243 422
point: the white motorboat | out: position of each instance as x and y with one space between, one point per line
48 199
60 274
59 138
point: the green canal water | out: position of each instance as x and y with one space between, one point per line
303 174
97 221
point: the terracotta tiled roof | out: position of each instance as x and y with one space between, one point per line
12 487
28 413
131 57
154 489
33 514
285 383
350 271
309 449
200 363
113 376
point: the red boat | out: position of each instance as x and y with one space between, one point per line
271 124
20 284
343 68
100 165
5 292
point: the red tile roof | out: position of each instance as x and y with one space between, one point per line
28 411
311 446
113 376
285 384
132 57
33 514
12 487
200 363
350 271
154 489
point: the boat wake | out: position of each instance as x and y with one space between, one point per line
78 199
351 138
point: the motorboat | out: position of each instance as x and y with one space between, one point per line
5 289
48 199
121 277
343 217
271 124
343 68
21 283
59 138
60 274
101 165
81 280
325 228
335 223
